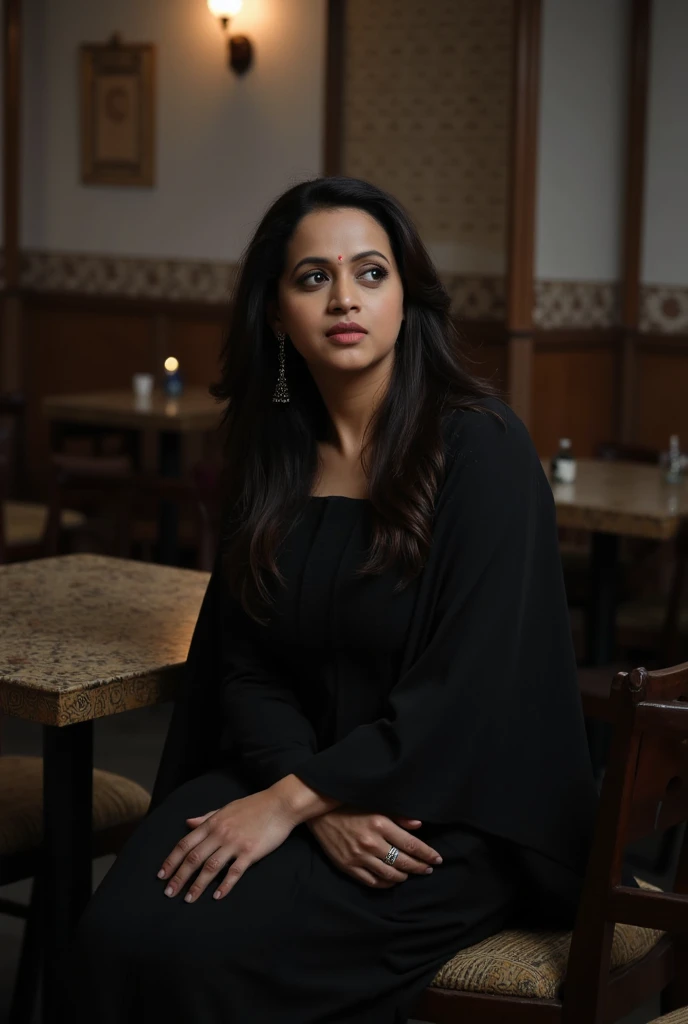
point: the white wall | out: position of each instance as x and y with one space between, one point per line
665 243
226 145
581 139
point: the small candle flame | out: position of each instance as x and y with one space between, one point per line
171 364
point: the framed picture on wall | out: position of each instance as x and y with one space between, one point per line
117 83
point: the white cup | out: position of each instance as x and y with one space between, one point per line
142 384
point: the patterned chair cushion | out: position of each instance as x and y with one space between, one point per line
533 964
677 1017
116 800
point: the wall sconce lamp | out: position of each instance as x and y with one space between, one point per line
240 48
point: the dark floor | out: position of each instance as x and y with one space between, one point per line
130 744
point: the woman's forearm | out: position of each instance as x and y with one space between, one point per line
303 802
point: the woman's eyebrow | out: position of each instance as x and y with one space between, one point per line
324 259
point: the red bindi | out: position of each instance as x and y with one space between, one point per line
340 258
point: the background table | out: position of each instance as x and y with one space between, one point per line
612 500
171 435
81 637
186 418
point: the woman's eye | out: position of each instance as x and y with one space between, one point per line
377 270
310 278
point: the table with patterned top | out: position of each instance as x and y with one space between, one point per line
615 499
81 637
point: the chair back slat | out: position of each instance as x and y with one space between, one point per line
93 484
4 473
13 429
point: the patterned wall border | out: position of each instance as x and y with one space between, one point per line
583 304
476 297
576 304
664 309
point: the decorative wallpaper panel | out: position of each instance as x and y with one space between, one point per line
426 116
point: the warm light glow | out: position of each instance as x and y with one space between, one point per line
171 364
225 8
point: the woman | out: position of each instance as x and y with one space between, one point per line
381 681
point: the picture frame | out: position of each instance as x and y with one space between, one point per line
117 85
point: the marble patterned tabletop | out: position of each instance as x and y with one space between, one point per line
626 498
84 636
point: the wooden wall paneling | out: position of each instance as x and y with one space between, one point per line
71 350
638 84
484 345
660 400
522 194
196 344
334 87
10 339
574 386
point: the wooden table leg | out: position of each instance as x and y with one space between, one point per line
67 855
601 611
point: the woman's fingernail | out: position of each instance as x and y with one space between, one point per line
169 891
428 871
217 894
438 860
188 898
161 873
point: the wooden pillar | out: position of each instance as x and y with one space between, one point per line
638 83
522 199
10 347
333 129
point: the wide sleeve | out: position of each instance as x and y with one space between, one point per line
265 725
485 726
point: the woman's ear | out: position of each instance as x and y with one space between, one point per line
273 318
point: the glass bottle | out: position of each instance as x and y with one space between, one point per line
673 472
564 464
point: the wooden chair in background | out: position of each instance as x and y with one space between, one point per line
22 523
628 944
119 804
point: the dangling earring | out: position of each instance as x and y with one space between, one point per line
281 393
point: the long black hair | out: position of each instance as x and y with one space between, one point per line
271 454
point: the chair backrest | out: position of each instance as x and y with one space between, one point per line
645 791
13 416
93 484
4 474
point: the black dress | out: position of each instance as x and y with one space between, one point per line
298 941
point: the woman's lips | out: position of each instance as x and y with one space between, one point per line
347 338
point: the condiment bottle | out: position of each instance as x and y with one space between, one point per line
673 473
563 464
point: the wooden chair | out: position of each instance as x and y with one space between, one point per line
22 523
119 804
617 957
101 488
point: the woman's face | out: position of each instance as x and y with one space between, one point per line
340 267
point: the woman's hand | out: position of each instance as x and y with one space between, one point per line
358 843
245 830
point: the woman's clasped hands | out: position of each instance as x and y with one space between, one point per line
248 829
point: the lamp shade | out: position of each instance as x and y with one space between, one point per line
225 8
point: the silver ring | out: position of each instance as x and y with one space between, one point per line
392 855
